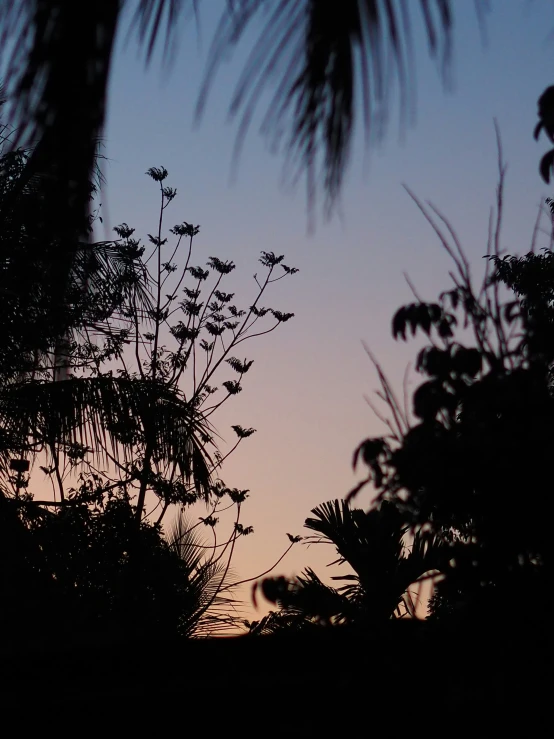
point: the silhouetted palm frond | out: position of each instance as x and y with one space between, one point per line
112 413
319 603
319 54
361 537
113 274
276 621
319 57
372 544
149 18
209 611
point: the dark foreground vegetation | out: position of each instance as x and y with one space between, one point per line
403 677
112 587
104 598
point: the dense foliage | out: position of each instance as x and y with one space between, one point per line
466 469
107 397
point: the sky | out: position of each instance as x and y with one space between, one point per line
305 391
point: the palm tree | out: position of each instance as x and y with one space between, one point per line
316 54
383 567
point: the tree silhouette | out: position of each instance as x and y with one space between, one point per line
465 471
60 57
473 464
40 312
119 423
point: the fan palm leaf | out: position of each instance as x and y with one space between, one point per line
384 568
372 544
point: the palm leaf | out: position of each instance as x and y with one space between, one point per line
275 622
318 56
208 612
363 540
103 413
114 272
306 600
372 544
149 18
318 53
318 601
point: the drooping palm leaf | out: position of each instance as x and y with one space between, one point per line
109 413
319 57
149 18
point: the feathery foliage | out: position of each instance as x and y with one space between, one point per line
317 56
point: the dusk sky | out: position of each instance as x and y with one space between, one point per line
304 393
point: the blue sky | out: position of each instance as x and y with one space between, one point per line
305 391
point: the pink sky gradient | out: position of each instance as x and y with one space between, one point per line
305 391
